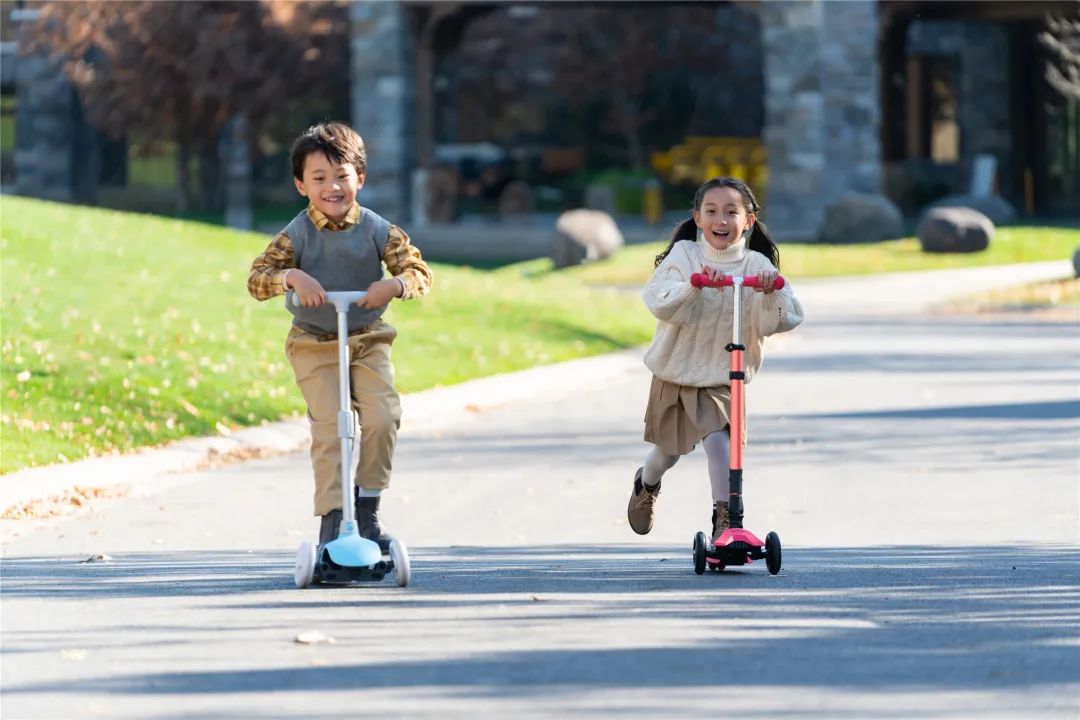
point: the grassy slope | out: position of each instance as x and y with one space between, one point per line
122 331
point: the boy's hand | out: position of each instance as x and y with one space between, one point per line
309 291
380 292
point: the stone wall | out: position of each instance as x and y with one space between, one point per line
822 112
381 93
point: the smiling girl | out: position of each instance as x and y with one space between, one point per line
690 399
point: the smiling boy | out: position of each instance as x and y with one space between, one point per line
334 245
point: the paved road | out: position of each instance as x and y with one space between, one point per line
921 469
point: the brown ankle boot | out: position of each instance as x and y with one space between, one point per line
720 520
639 512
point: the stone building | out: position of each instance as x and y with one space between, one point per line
886 97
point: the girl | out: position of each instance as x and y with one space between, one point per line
690 400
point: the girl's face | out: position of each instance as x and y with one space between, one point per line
330 187
722 217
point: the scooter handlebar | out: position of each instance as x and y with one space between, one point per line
701 280
339 299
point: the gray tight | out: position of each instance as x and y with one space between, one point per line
717 448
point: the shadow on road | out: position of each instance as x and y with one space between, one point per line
917 617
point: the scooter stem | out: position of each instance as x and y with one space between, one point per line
737 378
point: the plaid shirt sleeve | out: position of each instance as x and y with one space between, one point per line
268 270
404 262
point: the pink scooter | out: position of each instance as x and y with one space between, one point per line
736 545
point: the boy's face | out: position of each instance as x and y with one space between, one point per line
330 187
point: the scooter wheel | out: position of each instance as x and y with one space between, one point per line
772 553
699 553
400 555
305 564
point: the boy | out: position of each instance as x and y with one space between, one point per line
337 245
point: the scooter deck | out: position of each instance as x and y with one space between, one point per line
328 571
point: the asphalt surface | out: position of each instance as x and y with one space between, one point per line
921 468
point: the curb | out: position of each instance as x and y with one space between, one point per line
156 469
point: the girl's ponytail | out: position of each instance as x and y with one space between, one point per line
686 230
763 243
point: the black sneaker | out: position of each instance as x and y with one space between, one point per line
331 524
639 513
367 522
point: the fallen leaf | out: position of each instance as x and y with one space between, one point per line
310 637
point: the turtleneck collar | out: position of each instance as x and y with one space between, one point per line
732 253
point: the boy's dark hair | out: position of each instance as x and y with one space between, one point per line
759 235
339 142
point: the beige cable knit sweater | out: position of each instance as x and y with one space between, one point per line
696 323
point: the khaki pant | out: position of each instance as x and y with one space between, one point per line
371 377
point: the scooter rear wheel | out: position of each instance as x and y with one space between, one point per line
772 553
699 553
305 565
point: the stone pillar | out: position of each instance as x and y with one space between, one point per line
44 129
235 153
381 95
851 86
822 112
794 116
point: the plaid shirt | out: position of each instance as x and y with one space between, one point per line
402 259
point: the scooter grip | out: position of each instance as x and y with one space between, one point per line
700 280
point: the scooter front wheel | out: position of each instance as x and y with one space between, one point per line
400 555
772 553
699 553
305 565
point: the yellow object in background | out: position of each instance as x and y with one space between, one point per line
652 202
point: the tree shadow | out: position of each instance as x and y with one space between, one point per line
917 618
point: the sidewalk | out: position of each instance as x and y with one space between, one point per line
158 469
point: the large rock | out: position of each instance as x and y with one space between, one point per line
584 235
861 217
994 207
954 230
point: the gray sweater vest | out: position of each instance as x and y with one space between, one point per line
340 260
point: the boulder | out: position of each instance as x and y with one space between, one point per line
994 207
584 235
954 230
859 218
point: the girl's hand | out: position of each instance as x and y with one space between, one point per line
712 273
767 278
309 291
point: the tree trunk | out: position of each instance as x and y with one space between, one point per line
183 177
211 188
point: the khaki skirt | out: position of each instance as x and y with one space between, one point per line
678 417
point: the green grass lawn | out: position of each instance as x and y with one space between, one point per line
122 331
